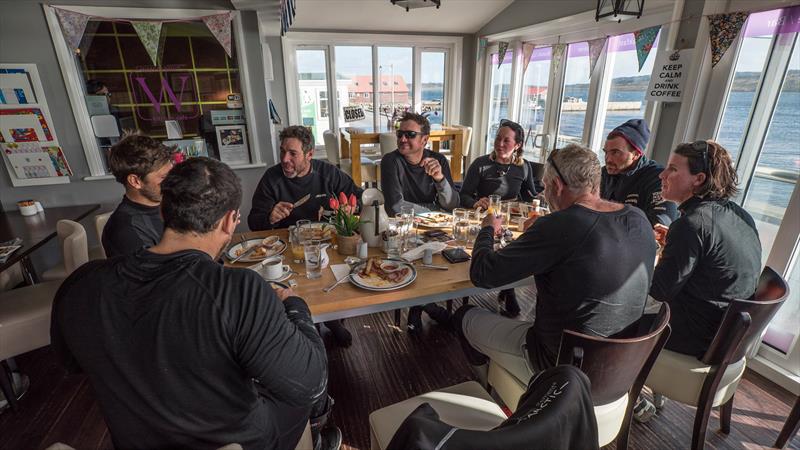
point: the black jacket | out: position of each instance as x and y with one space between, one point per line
712 256
132 226
172 344
640 187
487 177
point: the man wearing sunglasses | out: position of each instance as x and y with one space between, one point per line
630 177
413 175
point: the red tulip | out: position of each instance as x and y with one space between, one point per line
352 201
178 157
333 203
342 198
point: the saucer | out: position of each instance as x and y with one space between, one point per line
287 272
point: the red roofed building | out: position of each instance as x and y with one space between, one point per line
361 88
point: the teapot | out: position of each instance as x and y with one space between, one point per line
373 217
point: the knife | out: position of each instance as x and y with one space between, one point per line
302 200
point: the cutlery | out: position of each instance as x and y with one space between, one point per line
330 288
246 252
302 200
431 266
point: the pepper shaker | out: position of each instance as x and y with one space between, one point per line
363 250
427 257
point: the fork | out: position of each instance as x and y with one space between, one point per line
330 288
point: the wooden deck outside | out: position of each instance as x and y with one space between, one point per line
384 366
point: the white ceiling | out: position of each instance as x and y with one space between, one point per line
454 16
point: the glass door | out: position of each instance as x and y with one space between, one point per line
312 85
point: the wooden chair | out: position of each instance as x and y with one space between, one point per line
790 427
369 169
712 380
616 367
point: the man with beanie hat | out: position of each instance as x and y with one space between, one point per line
629 177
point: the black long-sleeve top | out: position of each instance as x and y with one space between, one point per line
132 226
274 187
640 187
592 270
712 256
404 184
172 343
487 177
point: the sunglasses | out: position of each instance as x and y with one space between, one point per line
552 162
702 148
409 134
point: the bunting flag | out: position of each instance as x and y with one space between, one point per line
150 35
502 48
723 29
527 51
482 44
595 48
558 55
644 42
220 27
73 25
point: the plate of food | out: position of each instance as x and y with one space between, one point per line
382 274
320 231
434 219
269 246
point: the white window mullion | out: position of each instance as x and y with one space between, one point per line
376 103
515 87
593 139
555 93
333 89
416 78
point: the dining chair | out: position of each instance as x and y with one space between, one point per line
387 142
616 367
790 427
100 221
369 168
556 406
11 277
74 250
712 380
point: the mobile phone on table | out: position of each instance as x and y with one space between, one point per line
455 255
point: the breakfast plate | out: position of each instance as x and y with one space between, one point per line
382 274
267 247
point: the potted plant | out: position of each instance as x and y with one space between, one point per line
346 222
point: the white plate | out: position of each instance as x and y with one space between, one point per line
322 226
233 252
437 214
373 284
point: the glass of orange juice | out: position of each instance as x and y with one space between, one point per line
296 242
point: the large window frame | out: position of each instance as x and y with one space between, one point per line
450 45
70 71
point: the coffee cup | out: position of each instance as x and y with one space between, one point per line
273 267
29 207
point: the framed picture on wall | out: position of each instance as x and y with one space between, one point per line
232 144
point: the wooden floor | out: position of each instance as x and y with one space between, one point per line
384 365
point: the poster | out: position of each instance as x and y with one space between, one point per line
232 144
32 160
15 88
24 125
668 79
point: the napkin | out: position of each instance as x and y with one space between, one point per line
340 270
416 253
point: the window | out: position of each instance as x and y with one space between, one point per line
628 83
354 74
396 94
433 73
534 97
312 84
500 91
576 95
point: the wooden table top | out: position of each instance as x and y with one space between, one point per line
371 132
37 229
347 300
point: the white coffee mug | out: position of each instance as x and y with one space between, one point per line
29 207
272 268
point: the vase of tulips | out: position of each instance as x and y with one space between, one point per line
346 222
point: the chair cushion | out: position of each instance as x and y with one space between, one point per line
58 272
609 419
680 377
466 405
507 386
369 170
25 318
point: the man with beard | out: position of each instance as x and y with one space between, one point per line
183 352
139 163
298 175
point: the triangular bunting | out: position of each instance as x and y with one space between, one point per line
150 35
723 29
482 44
558 55
644 42
502 48
220 27
527 51
595 48
72 25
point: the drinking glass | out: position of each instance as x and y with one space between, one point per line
296 242
304 229
494 205
474 228
505 212
311 250
393 237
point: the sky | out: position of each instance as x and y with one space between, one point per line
357 60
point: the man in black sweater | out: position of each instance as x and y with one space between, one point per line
139 163
629 177
183 352
297 175
592 261
413 175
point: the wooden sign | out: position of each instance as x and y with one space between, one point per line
353 113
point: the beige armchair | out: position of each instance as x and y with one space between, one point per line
100 221
74 250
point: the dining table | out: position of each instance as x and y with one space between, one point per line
348 300
35 231
351 139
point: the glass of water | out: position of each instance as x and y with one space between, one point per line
312 250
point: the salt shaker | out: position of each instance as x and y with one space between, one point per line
363 250
427 257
